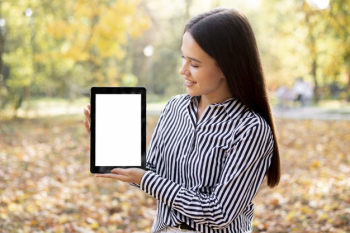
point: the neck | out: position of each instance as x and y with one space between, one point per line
207 100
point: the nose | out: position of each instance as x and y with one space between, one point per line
183 70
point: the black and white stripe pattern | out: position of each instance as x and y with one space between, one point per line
206 173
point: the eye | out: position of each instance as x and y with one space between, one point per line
194 66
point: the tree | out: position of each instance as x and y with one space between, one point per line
95 37
55 47
302 38
339 21
314 30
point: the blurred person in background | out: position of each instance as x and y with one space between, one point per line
308 94
213 146
302 92
282 93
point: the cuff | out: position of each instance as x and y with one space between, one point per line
160 188
135 185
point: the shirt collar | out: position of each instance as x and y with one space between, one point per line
232 106
223 104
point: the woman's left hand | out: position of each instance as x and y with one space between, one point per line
131 175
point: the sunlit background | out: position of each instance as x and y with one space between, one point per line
56 50
53 51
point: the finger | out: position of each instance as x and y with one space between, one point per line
114 176
87 115
87 127
121 171
89 107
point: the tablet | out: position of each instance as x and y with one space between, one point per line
118 128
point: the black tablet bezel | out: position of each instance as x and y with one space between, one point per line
116 90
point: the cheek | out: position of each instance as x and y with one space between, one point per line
208 77
216 75
199 75
216 72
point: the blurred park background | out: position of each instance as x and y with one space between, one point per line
53 51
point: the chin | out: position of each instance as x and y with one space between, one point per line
192 93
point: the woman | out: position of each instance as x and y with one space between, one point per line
213 146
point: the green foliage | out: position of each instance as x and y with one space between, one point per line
297 39
65 47
58 48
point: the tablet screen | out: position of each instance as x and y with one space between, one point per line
118 130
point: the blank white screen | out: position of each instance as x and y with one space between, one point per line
118 130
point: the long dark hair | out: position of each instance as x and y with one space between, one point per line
226 35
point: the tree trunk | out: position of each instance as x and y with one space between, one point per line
187 9
314 76
2 43
348 85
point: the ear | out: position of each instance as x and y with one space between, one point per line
222 74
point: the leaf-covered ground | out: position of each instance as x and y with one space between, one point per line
46 186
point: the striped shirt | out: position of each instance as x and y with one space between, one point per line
206 173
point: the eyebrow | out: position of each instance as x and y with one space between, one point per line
191 58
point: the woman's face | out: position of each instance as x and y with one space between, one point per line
202 75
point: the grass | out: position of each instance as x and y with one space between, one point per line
39 107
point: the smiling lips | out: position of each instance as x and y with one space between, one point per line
189 83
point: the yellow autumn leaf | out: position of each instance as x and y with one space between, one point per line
63 219
323 216
291 215
31 208
94 225
13 207
316 163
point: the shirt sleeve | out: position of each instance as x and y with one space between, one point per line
243 172
152 153
153 149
